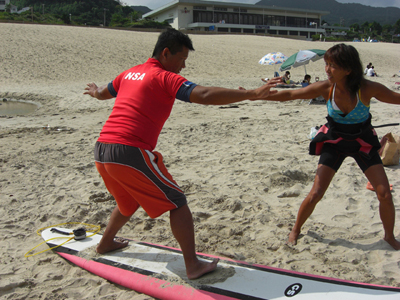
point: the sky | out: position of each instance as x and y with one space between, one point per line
153 4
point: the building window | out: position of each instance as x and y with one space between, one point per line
223 29
269 20
203 16
296 22
221 8
200 7
3 2
220 16
170 21
280 21
258 20
274 20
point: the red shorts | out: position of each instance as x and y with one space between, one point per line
137 177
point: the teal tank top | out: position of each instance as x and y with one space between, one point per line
358 115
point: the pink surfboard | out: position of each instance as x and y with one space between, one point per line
159 271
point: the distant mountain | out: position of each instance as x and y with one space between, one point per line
142 9
348 13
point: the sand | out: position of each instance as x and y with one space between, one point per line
245 167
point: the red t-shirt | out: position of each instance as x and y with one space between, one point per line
145 96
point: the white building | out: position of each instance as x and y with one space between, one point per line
231 17
3 4
13 8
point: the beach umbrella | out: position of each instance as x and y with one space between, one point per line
302 58
273 58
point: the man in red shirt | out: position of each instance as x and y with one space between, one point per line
124 153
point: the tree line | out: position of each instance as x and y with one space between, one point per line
376 30
370 30
110 13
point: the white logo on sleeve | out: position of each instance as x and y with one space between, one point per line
187 83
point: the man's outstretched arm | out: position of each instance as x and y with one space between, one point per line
100 93
220 96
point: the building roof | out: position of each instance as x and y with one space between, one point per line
229 4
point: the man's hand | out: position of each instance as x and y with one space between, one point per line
100 93
264 91
91 89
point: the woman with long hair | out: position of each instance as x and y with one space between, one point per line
348 132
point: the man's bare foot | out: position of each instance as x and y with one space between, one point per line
393 242
202 268
116 244
292 240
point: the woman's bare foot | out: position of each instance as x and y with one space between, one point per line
116 244
202 268
393 242
292 240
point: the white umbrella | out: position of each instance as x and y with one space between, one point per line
302 58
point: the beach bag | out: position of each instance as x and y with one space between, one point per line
390 150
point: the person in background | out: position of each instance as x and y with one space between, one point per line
286 78
306 81
348 132
124 153
367 68
371 72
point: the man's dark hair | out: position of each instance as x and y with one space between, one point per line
174 40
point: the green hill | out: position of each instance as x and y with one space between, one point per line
340 13
89 12
142 9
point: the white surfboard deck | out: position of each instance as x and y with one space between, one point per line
159 271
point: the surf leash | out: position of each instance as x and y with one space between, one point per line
77 234
386 125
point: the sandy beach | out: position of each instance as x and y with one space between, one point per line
245 167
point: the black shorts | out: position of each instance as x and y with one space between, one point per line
334 158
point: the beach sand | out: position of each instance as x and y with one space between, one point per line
245 167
